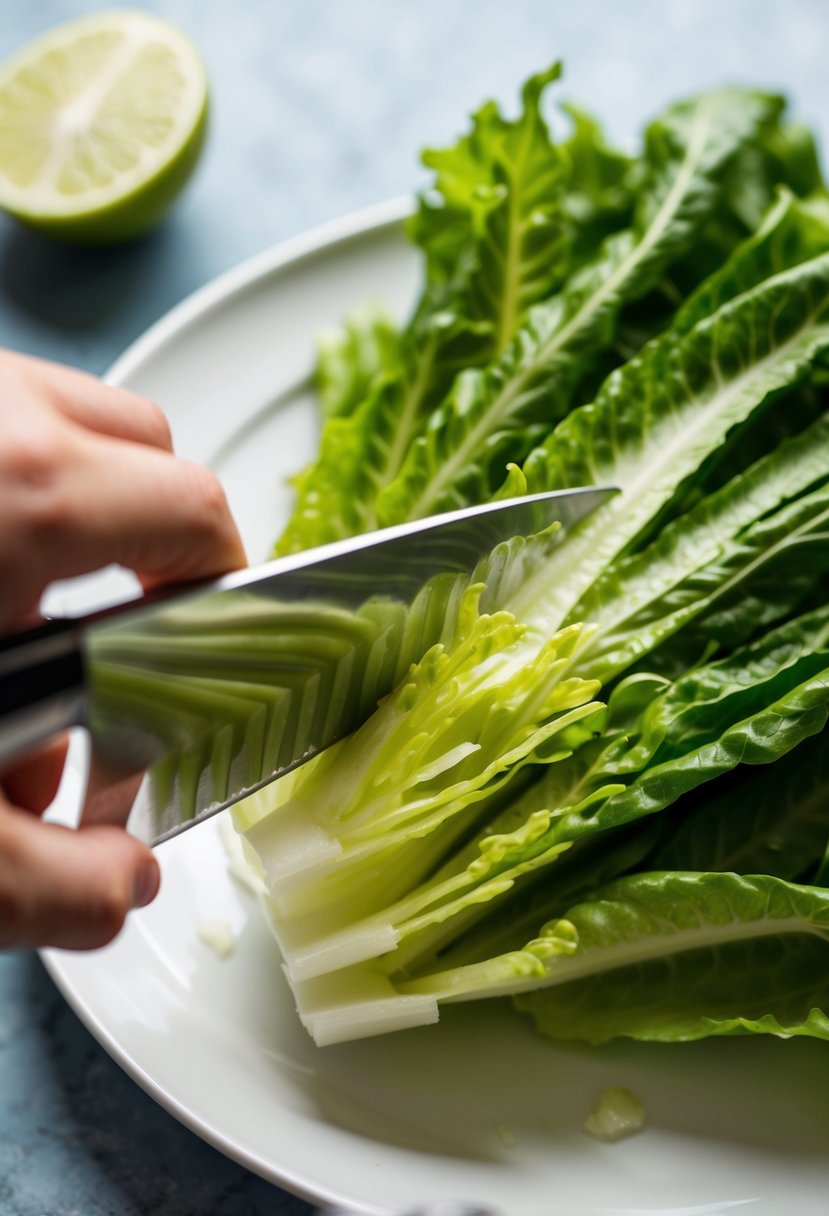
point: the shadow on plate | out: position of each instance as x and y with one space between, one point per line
483 1086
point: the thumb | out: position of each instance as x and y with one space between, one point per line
65 887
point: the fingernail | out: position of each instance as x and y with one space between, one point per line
146 886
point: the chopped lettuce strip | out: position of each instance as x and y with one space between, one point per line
362 824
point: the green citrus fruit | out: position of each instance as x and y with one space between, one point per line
101 123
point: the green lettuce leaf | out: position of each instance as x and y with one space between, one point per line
676 956
349 362
778 566
793 231
661 415
497 414
755 821
507 178
492 231
358 453
600 196
743 558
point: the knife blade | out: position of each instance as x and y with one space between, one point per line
219 687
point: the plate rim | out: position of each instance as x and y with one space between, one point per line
290 251
213 295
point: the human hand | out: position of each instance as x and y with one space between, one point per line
87 477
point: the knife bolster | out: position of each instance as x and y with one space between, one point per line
42 686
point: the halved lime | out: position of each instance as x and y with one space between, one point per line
101 124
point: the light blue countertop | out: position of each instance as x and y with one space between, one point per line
319 107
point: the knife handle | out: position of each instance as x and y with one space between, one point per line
42 685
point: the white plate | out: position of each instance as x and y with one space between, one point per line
478 1107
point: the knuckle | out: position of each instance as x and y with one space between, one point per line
157 425
34 461
211 501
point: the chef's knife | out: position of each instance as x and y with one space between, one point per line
221 686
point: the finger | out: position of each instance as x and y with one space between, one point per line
98 406
109 796
71 889
164 518
32 783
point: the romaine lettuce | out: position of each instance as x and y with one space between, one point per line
568 798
